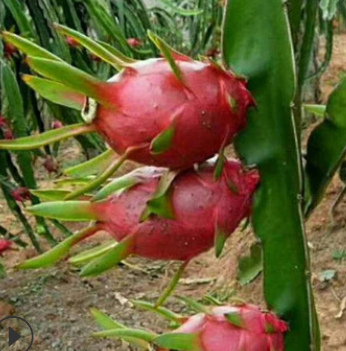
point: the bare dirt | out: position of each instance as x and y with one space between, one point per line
57 302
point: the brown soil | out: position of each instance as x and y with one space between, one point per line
56 301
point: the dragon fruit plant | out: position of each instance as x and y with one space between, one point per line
240 327
204 212
168 112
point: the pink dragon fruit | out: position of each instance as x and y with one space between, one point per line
168 112
223 328
205 212
51 165
57 124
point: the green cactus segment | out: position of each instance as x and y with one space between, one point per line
127 333
50 137
91 45
172 285
235 319
270 143
326 147
72 211
89 255
220 240
55 92
93 166
58 252
166 51
50 194
110 259
70 76
161 203
162 311
106 323
178 341
163 141
100 179
28 47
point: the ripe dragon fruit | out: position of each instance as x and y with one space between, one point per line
206 211
223 328
168 112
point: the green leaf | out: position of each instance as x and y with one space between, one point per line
180 11
93 46
60 251
127 333
100 179
74 211
166 51
179 341
55 92
94 166
50 194
250 266
89 255
28 47
161 203
70 76
261 50
235 319
18 12
52 136
220 240
108 260
326 148
317 110
106 323
193 305
163 141
162 311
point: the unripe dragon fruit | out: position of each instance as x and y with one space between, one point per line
205 212
169 112
57 124
223 328
51 165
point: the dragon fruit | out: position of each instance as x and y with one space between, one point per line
223 328
169 112
51 164
205 212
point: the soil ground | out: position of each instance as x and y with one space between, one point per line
57 301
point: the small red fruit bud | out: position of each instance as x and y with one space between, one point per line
57 124
10 50
73 43
94 58
21 194
51 165
134 42
5 245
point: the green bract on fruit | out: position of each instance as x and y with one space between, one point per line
169 112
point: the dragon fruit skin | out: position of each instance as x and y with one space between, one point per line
254 330
203 111
201 206
21 194
5 245
134 42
